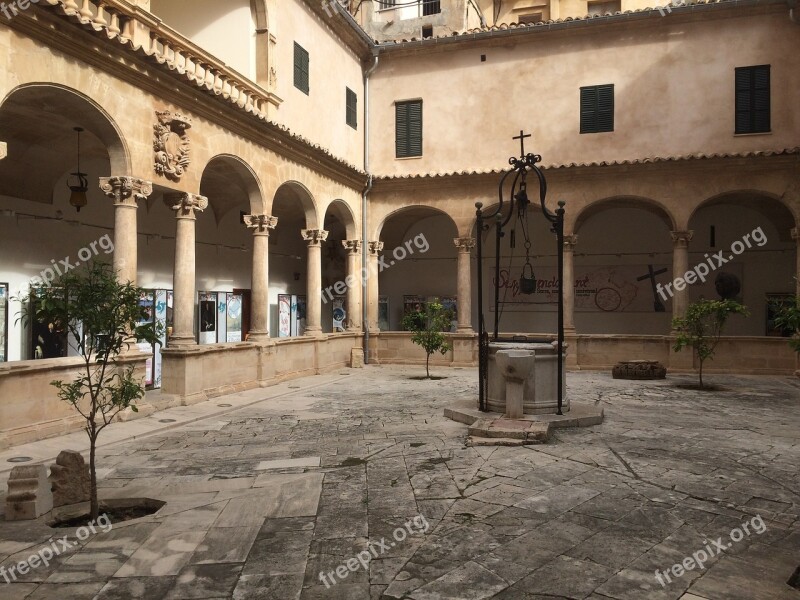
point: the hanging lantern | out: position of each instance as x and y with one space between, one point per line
78 181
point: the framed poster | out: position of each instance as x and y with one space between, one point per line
207 318
234 318
147 302
383 313
451 303
284 315
3 322
339 313
774 303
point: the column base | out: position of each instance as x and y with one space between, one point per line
313 332
181 341
258 337
467 330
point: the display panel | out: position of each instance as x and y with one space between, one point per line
3 322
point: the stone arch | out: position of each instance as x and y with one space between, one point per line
342 211
225 179
647 204
411 211
776 209
72 108
295 191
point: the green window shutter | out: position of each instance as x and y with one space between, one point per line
301 78
597 108
752 99
351 108
408 129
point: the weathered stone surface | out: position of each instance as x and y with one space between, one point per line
69 479
29 496
639 369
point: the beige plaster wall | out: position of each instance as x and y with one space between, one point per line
471 109
320 115
225 29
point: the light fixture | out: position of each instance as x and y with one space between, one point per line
78 182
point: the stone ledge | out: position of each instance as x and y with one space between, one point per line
580 415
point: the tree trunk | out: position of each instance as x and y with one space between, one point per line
427 366
95 505
701 374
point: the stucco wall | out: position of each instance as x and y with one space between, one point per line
673 79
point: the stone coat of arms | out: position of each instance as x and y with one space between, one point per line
171 144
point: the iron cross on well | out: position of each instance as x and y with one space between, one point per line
521 137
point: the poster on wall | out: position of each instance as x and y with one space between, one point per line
163 317
233 318
383 313
3 322
601 288
147 303
207 317
284 315
299 325
450 303
776 302
339 313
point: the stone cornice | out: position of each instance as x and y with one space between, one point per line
143 72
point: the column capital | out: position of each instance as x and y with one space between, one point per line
681 238
570 241
375 247
126 190
185 205
260 223
314 237
796 234
3 150
352 246
465 244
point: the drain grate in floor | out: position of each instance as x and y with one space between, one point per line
794 580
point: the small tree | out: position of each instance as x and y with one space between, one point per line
427 327
701 328
102 316
788 318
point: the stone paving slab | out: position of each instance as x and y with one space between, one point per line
287 483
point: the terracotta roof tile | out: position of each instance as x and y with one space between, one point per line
635 161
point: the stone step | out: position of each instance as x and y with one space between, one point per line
500 441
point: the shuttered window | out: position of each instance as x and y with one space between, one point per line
597 108
301 79
408 128
752 99
351 108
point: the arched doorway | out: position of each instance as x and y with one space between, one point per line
621 241
751 232
41 232
420 263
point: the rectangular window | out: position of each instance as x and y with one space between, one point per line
351 108
603 7
752 99
301 79
408 128
597 108
431 7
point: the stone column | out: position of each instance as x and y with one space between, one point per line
680 264
314 237
353 281
183 283
373 295
569 283
465 246
259 307
796 238
126 193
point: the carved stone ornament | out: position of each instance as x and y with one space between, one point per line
171 144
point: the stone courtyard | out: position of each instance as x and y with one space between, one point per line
268 489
